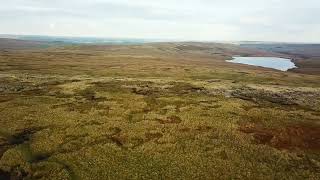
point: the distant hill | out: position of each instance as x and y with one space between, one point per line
300 50
62 40
17 44
305 56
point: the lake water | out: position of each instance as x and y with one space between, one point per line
281 64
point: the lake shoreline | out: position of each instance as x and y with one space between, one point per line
282 64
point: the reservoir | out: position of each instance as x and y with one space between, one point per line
281 64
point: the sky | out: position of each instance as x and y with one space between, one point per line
201 20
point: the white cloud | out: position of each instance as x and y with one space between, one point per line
52 25
282 20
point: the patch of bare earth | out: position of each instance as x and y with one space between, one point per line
293 137
170 120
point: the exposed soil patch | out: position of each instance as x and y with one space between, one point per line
153 135
214 80
303 137
90 95
146 91
257 96
116 137
286 98
186 88
5 98
118 140
170 120
204 128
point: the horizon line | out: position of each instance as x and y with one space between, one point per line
160 39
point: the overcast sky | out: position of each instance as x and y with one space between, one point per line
268 20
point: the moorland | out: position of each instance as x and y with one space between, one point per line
155 111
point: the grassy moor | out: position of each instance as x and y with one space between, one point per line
155 111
